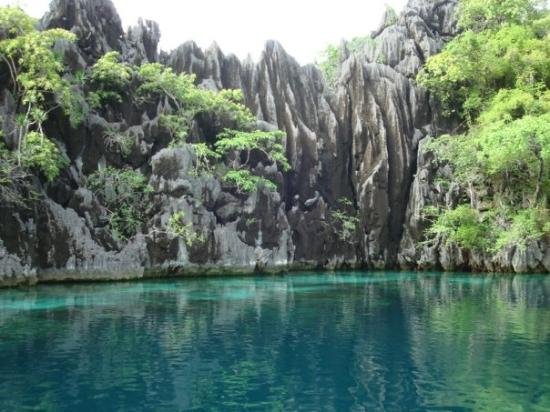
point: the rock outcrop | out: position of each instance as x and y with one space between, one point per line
358 141
433 185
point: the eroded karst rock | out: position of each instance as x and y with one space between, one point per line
358 140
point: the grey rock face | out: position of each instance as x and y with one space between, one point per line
358 142
98 28
96 24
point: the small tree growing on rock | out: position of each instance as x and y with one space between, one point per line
37 86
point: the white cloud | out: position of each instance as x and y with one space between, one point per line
304 27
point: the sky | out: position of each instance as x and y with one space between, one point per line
303 27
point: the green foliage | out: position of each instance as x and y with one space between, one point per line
157 80
462 226
495 77
125 195
474 66
481 15
41 153
345 219
228 104
15 22
34 66
329 64
38 77
36 74
512 104
122 142
525 226
488 232
204 158
180 228
430 212
110 78
188 100
511 158
185 102
177 126
7 165
268 143
246 182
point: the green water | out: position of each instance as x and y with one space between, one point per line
354 341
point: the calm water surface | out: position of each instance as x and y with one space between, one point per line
354 341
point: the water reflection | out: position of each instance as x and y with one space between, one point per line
354 341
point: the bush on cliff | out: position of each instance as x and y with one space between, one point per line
36 82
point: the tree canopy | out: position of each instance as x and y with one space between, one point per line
494 77
37 86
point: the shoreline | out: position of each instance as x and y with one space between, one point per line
52 276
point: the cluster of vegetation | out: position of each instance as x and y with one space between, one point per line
494 78
184 230
38 87
40 83
125 194
110 79
121 142
330 59
345 220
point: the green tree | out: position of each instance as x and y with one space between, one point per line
36 78
110 79
495 77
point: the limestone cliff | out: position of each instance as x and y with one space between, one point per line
358 140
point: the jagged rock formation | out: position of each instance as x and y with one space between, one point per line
358 141
433 186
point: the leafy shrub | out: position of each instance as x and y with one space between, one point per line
177 125
246 182
476 64
494 77
346 220
204 158
481 15
125 195
188 100
35 75
123 142
511 158
329 64
268 143
180 228
110 79
41 153
462 226
15 22
525 226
